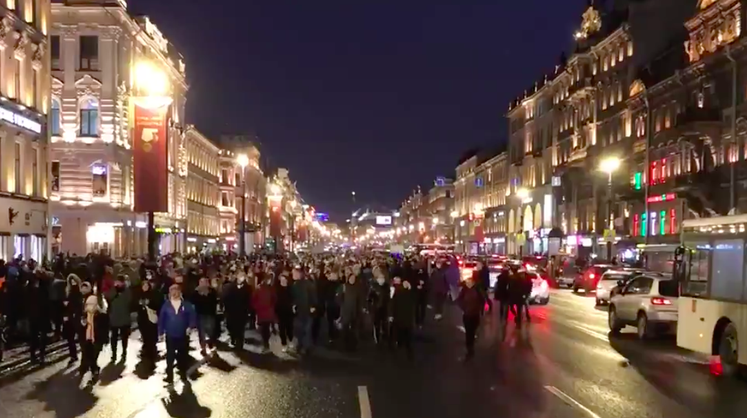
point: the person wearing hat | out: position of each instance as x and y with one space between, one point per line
92 332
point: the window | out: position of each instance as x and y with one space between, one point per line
639 286
89 118
35 172
55 171
35 89
55 51
54 118
727 269
89 53
224 199
237 178
17 168
99 180
17 80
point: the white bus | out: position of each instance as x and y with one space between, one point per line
713 293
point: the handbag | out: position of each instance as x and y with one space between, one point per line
152 315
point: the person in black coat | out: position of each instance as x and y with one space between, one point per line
149 304
72 313
501 293
402 314
378 302
237 302
481 277
472 301
284 311
37 308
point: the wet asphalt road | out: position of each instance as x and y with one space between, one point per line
563 365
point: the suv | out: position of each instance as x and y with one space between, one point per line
590 277
648 302
611 283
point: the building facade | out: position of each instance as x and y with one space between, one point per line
24 106
94 51
203 192
593 108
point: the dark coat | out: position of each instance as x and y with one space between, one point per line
471 300
352 302
438 282
402 307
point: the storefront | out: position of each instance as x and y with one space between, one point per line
23 229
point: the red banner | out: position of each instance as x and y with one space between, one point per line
150 155
276 218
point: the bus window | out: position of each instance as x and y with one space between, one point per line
696 283
727 268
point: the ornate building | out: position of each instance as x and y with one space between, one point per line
94 50
24 106
203 192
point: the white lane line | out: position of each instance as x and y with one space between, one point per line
364 402
570 401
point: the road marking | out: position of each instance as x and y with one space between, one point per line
570 401
364 402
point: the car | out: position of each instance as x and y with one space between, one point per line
648 302
540 289
466 268
495 267
590 277
567 276
611 282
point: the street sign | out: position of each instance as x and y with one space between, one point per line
609 235
521 239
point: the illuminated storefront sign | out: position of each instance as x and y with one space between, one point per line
662 198
18 120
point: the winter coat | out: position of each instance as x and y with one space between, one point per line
402 307
120 306
471 300
378 298
304 296
438 282
283 301
501 292
263 302
151 299
352 302
175 324
205 304
237 300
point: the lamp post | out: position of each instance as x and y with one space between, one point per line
609 166
522 194
152 83
243 161
293 204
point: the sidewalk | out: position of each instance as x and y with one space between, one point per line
20 356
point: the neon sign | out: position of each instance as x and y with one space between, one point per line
662 198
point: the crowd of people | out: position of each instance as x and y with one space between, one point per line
94 301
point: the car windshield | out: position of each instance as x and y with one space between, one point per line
669 288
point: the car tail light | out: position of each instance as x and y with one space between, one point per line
591 275
660 301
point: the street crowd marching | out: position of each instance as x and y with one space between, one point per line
89 302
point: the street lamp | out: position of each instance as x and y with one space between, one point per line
610 165
151 83
243 161
523 195
293 204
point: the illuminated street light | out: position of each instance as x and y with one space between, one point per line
610 165
522 193
150 80
243 160
454 214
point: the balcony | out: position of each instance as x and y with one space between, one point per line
692 124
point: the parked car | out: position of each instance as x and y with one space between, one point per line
612 281
567 276
648 302
589 278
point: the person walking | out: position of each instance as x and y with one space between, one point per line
72 314
119 299
501 293
351 298
37 308
472 302
264 300
284 311
176 319
402 314
205 301
304 305
237 302
439 287
149 304
93 331
378 302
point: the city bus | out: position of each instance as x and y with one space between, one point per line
712 307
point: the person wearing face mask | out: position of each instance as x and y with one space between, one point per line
402 314
351 304
237 301
378 302
119 299
176 319
205 300
284 311
472 302
149 304
92 332
264 300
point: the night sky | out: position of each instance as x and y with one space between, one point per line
371 96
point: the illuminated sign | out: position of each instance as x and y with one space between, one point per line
98 170
18 120
556 182
383 220
662 198
322 217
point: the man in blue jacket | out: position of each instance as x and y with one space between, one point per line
176 319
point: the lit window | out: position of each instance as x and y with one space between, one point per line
54 118
673 221
89 118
